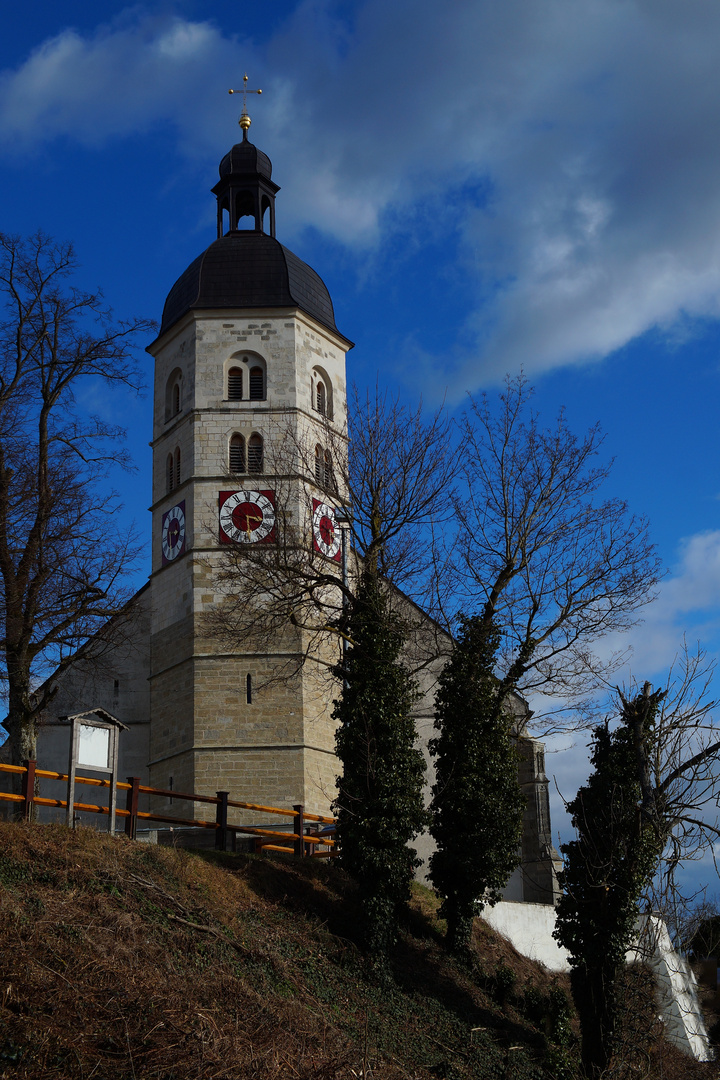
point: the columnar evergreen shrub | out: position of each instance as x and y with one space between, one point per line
606 870
379 804
477 806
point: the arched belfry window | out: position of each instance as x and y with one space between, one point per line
169 473
237 454
321 393
257 383
173 395
177 467
255 454
324 477
246 378
235 384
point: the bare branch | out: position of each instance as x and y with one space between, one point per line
62 569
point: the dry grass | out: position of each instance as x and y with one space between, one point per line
120 960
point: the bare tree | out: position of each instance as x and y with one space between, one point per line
387 481
64 555
677 770
650 805
540 553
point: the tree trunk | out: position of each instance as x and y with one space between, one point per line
459 924
594 994
21 721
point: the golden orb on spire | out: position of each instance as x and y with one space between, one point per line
244 120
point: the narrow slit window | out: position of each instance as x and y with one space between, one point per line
248 689
235 384
177 467
237 454
176 399
320 398
255 454
257 384
170 473
319 466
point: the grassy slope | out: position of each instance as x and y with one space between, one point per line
123 960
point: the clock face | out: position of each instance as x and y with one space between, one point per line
247 517
326 533
173 533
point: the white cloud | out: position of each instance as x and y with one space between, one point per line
122 79
686 609
591 123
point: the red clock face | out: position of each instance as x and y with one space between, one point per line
173 533
247 517
326 533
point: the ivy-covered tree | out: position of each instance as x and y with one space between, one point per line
379 804
477 806
620 838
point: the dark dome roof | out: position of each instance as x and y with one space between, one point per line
246 158
248 269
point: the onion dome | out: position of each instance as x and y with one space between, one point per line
244 270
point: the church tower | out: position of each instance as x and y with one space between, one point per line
248 361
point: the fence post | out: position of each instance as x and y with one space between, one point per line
131 805
299 826
28 788
221 816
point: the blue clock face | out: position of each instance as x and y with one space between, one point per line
173 533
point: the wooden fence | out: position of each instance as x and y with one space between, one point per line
308 837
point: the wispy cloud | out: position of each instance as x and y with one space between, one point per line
687 608
123 79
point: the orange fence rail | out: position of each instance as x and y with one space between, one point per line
307 837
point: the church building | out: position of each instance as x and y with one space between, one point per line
248 354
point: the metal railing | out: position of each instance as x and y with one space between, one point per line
307 838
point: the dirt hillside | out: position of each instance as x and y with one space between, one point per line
122 960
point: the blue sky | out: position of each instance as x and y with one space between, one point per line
482 186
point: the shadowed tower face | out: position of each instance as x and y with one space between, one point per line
249 368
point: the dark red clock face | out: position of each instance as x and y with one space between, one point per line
327 530
173 533
327 537
247 517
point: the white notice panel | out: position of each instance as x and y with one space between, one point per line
94 747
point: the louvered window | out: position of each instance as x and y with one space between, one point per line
320 398
237 454
177 467
257 384
323 469
176 399
328 477
255 454
169 473
235 384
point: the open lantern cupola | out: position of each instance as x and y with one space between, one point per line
246 189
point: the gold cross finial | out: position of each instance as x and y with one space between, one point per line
244 120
